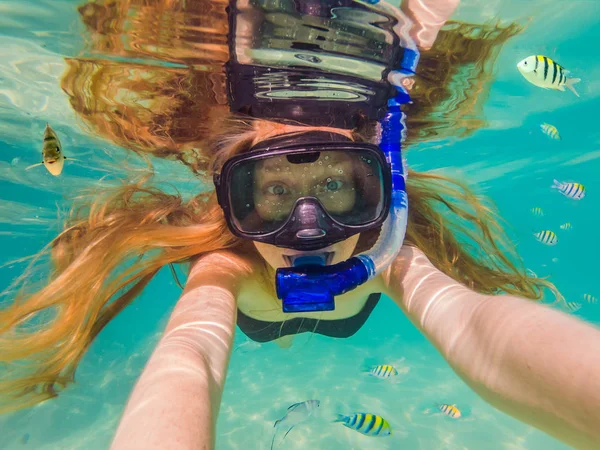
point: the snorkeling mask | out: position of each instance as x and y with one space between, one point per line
307 191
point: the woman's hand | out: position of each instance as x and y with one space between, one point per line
176 399
428 17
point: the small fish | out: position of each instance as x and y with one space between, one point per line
383 371
366 423
547 74
296 413
537 211
576 191
573 306
550 130
450 410
546 237
52 155
566 226
590 298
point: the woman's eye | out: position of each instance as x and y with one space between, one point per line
334 185
276 189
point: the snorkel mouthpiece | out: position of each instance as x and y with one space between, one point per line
313 287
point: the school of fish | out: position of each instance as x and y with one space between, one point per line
546 73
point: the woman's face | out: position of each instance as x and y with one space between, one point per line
279 182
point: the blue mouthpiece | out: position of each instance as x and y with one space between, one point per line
313 287
317 260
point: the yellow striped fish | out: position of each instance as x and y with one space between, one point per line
53 158
366 423
566 226
450 411
576 191
537 211
545 73
590 298
383 371
573 306
546 237
550 130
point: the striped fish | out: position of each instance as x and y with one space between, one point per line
450 410
590 298
546 237
550 130
366 423
576 191
573 306
566 226
537 211
383 371
545 73
53 158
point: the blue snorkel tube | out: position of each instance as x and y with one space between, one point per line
313 287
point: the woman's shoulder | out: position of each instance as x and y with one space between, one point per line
223 266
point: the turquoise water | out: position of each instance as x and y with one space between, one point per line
509 159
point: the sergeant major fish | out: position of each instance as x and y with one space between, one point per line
546 237
53 158
551 131
545 73
576 191
383 371
297 413
366 423
450 411
590 298
537 211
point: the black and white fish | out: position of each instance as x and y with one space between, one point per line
547 237
546 73
576 191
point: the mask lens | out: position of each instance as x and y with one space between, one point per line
348 184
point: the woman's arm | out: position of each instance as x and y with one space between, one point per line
175 402
428 17
537 364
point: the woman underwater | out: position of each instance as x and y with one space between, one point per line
523 358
